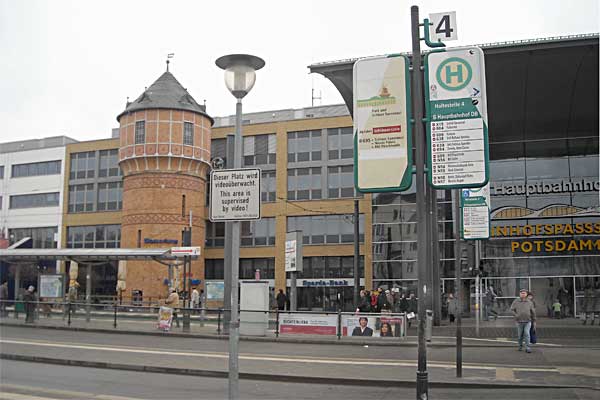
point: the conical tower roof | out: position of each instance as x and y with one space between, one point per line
166 93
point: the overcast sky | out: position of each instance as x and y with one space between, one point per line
68 66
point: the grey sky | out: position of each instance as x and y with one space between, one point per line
68 66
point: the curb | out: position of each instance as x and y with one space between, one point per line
281 378
351 342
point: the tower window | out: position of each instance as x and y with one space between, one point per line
188 133
140 132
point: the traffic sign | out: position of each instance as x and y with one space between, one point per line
475 206
457 131
234 194
443 26
185 251
382 133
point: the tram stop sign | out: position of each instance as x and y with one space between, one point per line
382 133
457 131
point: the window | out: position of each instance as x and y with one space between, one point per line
215 234
109 163
81 198
83 165
304 184
331 267
140 132
110 196
340 181
267 186
258 233
260 150
94 236
36 169
326 229
1 171
34 200
214 269
304 146
43 238
188 133
340 143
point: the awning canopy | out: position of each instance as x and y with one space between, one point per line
83 255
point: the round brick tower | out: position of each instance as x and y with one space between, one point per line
164 155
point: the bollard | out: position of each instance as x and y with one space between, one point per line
115 321
219 322
339 324
428 324
186 319
277 323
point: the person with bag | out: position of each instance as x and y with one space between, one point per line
524 312
173 302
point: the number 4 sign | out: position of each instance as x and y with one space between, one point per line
443 26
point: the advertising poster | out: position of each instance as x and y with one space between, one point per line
382 136
373 326
165 318
308 324
215 290
51 286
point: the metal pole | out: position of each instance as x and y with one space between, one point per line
429 262
458 285
477 305
417 104
17 283
293 291
356 253
435 262
88 292
234 324
228 244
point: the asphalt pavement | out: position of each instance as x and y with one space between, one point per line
23 380
369 366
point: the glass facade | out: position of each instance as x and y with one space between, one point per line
36 169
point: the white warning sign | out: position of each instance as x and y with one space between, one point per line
235 194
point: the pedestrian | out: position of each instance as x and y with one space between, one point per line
374 306
390 298
488 304
412 308
281 300
588 302
173 302
29 299
195 299
403 303
382 301
452 307
524 313
364 303
444 305
3 298
556 307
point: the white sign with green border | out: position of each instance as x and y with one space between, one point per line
382 132
456 105
475 206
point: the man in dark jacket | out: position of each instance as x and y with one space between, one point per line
363 329
281 300
364 303
29 300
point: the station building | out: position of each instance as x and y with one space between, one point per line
142 187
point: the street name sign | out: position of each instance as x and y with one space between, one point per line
475 206
443 26
382 133
193 251
457 128
234 194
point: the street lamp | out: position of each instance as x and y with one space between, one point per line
240 75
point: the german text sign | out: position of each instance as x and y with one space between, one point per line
457 134
382 134
475 205
235 194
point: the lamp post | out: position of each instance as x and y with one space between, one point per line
240 75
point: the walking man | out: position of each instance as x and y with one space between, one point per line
3 298
524 313
488 304
281 300
29 299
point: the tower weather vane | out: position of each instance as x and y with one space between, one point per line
170 55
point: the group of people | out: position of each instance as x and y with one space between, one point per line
172 301
386 301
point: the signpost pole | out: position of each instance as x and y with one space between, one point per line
458 284
293 291
229 148
356 273
417 104
435 261
88 292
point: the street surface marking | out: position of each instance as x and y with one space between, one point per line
579 371
505 374
284 358
59 394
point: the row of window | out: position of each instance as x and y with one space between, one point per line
313 268
43 238
36 169
34 200
85 164
107 196
94 236
188 133
307 183
253 233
